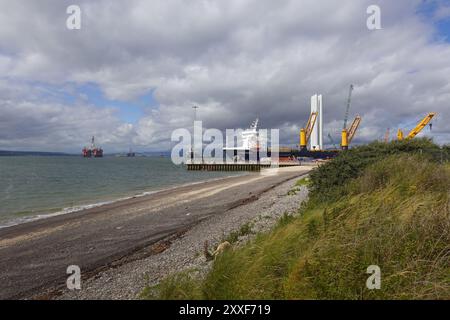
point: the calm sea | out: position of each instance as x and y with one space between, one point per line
35 186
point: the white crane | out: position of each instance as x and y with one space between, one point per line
348 106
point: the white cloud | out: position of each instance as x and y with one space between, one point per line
442 12
235 59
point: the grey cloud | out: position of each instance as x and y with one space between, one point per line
235 59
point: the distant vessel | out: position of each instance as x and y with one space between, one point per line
92 151
131 153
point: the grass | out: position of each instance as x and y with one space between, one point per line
327 180
300 183
179 286
244 230
394 213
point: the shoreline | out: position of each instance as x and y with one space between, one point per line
81 207
35 255
185 252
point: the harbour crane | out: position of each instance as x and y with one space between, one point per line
349 134
305 133
352 130
414 132
332 140
387 134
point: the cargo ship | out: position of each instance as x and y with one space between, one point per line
92 151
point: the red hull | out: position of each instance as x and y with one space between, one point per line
89 153
97 153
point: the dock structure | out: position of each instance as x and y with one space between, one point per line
235 166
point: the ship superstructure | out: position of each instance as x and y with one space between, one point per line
248 139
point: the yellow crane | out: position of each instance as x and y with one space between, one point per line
305 133
414 132
355 124
349 134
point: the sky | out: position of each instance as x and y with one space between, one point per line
131 74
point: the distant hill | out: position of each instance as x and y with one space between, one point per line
143 154
157 153
6 153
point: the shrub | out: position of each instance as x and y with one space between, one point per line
325 180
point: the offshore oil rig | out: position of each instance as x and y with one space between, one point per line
92 151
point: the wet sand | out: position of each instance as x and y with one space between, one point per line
34 256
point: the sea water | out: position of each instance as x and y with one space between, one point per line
33 187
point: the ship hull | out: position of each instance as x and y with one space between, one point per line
93 151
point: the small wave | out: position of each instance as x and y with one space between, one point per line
78 208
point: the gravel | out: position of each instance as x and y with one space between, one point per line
186 251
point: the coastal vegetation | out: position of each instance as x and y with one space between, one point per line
244 230
380 204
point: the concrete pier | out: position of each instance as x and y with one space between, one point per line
234 166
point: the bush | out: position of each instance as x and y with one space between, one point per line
325 179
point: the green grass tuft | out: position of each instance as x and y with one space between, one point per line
179 286
302 182
244 230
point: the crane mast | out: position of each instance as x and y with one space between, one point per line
348 134
310 125
332 140
351 132
414 132
305 133
386 135
349 99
